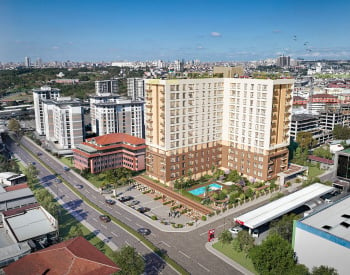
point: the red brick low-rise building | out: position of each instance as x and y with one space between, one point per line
109 152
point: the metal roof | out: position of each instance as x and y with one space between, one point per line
277 208
16 194
334 219
32 223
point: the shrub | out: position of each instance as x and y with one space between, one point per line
145 192
204 218
224 210
218 212
167 202
230 206
179 225
157 198
154 217
211 214
298 180
190 223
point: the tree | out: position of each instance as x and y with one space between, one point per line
284 226
273 257
341 132
299 269
13 125
324 270
75 231
322 153
244 241
31 172
130 262
225 237
305 140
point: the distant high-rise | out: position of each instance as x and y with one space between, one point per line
39 63
27 61
283 61
136 88
104 87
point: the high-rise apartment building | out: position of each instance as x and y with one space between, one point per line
195 125
27 62
63 122
39 95
283 61
136 88
104 87
115 114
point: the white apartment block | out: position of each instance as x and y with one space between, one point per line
39 95
115 114
63 123
136 88
105 87
235 123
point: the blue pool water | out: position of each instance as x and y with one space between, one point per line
201 190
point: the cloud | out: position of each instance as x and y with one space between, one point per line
215 34
200 47
276 31
55 47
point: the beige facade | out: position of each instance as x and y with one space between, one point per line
195 125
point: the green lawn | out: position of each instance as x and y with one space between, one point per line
314 171
238 257
67 162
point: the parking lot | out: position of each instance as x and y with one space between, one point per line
156 207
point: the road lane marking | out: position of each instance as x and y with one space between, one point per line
118 212
184 254
138 225
220 226
87 191
128 219
104 226
201 234
202 266
155 268
127 243
115 234
95 219
94 196
165 244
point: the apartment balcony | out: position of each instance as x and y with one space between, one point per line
162 131
162 108
149 120
149 136
149 128
148 96
149 113
162 115
162 92
162 99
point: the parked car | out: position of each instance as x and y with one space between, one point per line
235 230
144 231
143 209
105 218
134 202
39 154
125 198
65 168
110 202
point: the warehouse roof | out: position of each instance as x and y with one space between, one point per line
284 205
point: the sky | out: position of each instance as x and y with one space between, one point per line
216 30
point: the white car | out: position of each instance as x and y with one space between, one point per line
235 230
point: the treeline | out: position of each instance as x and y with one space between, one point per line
24 79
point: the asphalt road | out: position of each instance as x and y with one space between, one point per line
188 249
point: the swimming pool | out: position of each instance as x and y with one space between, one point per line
201 190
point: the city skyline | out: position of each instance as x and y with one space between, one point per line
205 30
